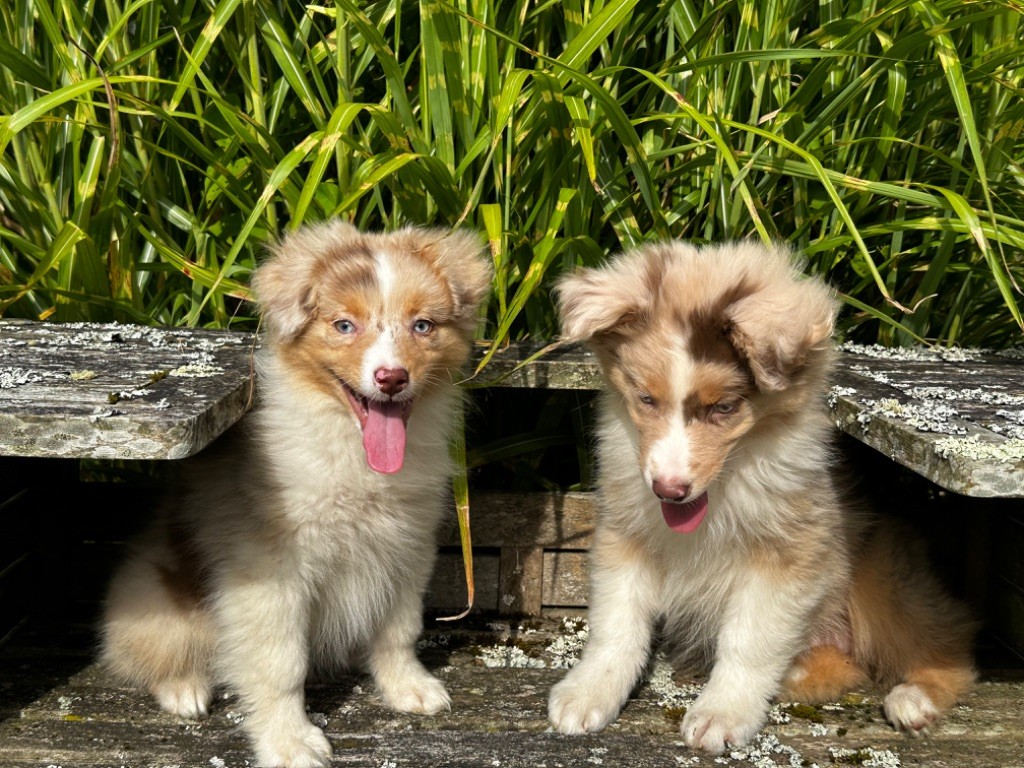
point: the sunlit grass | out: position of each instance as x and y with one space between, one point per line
150 148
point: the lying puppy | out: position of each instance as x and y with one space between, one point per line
308 539
719 511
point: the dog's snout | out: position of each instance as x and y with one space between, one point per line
670 490
391 381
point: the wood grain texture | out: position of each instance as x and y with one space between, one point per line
118 391
954 416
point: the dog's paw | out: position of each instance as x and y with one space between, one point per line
424 695
183 697
577 706
910 710
714 726
300 746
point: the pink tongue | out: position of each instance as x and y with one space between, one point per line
384 437
685 518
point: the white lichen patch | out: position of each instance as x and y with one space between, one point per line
973 395
818 729
866 372
766 750
1013 353
866 756
508 656
15 376
65 704
669 693
916 354
196 371
1014 429
1005 452
102 335
925 416
836 392
565 649
127 394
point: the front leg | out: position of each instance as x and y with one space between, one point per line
402 681
263 631
624 587
763 629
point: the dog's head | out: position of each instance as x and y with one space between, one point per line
375 320
702 345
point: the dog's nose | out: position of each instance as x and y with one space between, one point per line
391 381
671 490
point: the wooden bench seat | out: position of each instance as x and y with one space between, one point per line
129 392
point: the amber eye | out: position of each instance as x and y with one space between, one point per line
344 327
422 326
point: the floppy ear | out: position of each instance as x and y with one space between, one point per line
284 283
781 328
593 303
460 257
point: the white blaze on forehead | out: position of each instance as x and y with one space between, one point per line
384 269
670 455
384 327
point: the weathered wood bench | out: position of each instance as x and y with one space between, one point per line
120 392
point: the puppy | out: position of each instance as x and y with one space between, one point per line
308 538
720 515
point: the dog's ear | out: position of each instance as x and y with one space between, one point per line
781 327
285 282
459 256
597 303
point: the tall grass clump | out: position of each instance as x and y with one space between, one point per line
149 148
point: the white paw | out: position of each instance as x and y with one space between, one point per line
715 725
423 694
300 746
184 698
910 710
576 706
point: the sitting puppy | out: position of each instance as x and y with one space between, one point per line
307 537
719 512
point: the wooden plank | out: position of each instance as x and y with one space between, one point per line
447 590
520 581
113 391
545 520
955 416
565 579
81 390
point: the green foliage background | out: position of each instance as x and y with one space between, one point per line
148 148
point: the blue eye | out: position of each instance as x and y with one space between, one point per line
422 326
646 399
345 326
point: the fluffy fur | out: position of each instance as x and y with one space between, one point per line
720 513
284 550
